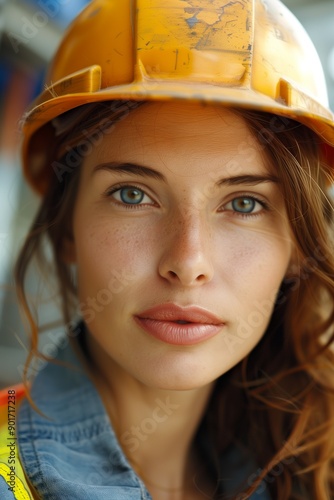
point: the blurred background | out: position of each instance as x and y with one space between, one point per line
29 34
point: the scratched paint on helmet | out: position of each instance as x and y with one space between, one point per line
212 39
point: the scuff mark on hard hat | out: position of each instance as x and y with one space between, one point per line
176 58
94 12
192 21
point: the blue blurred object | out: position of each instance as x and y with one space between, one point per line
63 11
5 73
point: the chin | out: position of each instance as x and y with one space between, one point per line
179 381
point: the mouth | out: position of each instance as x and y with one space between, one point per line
178 325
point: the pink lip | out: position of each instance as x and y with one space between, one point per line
161 323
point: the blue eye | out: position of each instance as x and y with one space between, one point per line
244 205
130 195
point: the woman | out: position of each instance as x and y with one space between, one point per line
186 179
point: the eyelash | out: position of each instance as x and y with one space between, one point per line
126 206
119 187
245 215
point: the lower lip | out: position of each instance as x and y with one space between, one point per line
179 334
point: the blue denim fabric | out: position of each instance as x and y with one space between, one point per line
5 494
72 452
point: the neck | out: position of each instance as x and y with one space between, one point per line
148 421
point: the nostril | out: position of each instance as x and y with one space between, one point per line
172 274
199 279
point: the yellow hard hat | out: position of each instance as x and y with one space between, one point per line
250 53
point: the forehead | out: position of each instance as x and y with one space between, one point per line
180 136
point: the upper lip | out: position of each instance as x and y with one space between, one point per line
174 312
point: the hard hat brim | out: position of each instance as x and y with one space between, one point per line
42 114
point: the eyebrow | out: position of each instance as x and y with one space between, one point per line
140 170
250 179
132 168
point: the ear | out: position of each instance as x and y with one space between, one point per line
68 249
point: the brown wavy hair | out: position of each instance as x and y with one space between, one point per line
280 398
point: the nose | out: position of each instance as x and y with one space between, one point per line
186 259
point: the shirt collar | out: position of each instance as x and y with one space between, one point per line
68 448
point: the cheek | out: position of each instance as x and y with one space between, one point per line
252 265
250 286
107 249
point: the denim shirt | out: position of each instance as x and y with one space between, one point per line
72 452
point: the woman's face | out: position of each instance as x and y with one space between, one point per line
181 241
